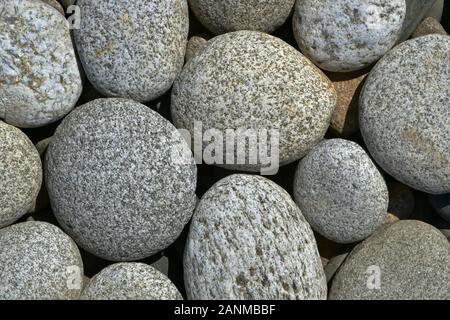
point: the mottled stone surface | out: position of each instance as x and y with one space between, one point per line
38 261
404 113
248 240
441 204
55 4
130 281
349 35
251 80
20 174
233 15
429 26
333 266
121 179
193 46
390 219
411 258
132 49
340 191
401 200
348 86
39 77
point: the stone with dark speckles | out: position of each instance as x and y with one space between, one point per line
121 179
405 113
248 240
340 191
130 281
429 26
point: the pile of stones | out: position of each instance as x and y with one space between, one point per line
118 180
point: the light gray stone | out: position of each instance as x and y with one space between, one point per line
55 4
121 179
340 191
407 260
39 262
405 113
248 240
251 80
233 15
39 78
130 281
193 46
20 174
350 35
132 49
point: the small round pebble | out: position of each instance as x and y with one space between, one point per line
39 78
401 200
121 179
130 281
429 26
20 174
340 191
252 80
132 49
39 262
333 266
194 44
233 15
55 4
407 260
441 204
248 240
404 113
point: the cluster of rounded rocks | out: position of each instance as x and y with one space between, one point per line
101 196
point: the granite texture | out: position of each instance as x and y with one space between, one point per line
404 113
340 191
39 78
233 15
248 240
55 4
251 80
132 49
350 35
20 174
429 26
130 281
38 262
121 179
413 259
194 44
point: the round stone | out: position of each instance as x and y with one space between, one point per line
193 46
20 172
132 49
248 240
441 204
39 262
233 15
130 281
55 4
349 35
348 86
401 200
333 266
340 191
121 179
429 26
405 113
254 82
407 260
39 78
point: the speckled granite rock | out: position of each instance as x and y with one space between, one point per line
20 174
38 261
42 200
401 200
55 4
441 204
121 179
390 219
233 15
349 35
404 113
340 191
130 281
248 240
344 121
132 49
429 26
411 258
39 77
194 45
333 266
251 80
